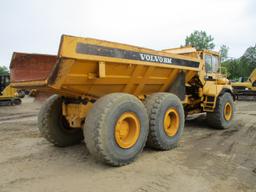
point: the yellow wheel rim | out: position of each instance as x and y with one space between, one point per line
228 111
171 122
127 130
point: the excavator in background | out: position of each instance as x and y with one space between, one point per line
8 94
245 87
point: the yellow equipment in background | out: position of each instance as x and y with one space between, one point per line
8 95
119 97
246 88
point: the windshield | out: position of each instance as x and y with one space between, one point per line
211 63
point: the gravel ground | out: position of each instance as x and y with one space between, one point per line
205 160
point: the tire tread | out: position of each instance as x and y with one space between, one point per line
48 129
153 104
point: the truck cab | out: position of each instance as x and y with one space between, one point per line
212 79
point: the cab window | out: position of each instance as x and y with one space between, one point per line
211 63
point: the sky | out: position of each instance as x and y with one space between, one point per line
35 26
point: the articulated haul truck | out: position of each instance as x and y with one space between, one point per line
119 98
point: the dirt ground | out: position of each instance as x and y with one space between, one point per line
206 159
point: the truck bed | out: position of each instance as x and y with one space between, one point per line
91 67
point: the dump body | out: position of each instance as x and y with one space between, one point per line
90 67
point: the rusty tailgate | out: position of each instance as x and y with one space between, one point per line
31 67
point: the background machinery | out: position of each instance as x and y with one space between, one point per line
245 86
8 95
119 98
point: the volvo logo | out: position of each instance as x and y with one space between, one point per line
155 58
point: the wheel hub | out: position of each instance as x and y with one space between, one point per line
228 111
127 130
171 122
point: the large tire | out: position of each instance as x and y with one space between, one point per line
219 118
101 124
53 125
163 134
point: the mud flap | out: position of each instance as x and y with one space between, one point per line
178 86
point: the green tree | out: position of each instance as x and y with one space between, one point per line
200 40
232 67
243 66
3 70
248 61
224 52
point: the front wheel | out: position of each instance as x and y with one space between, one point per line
223 114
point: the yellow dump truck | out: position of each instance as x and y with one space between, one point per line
247 87
119 98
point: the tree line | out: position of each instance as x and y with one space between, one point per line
4 70
243 66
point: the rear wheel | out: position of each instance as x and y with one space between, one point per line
116 129
53 125
166 117
223 114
